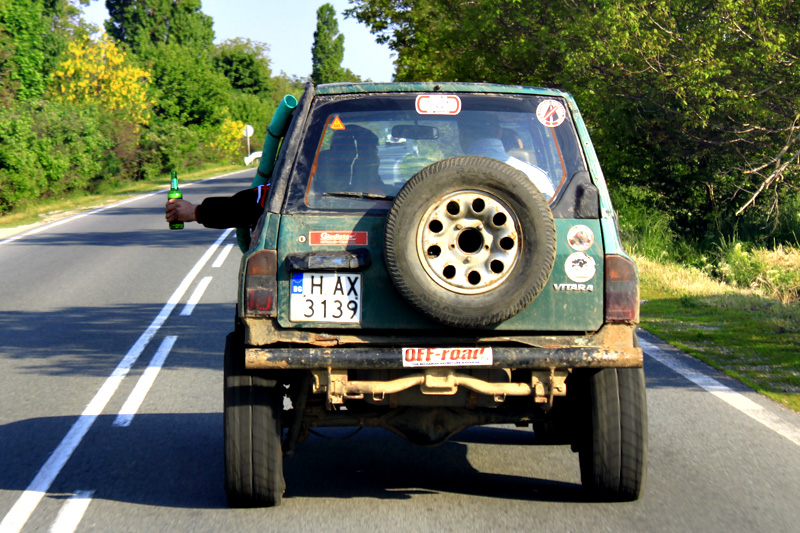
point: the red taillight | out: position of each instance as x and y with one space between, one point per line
621 290
260 284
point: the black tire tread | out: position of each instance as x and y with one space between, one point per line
613 454
252 443
425 302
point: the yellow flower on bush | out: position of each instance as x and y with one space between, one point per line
98 71
226 138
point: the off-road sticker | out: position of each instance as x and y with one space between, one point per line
338 238
580 267
438 104
447 356
580 238
551 113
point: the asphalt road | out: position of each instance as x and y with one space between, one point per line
111 413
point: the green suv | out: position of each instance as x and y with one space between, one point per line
435 256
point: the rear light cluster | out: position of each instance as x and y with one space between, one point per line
260 284
621 290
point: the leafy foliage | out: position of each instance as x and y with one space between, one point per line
99 72
226 139
246 65
328 49
697 101
145 24
49 149
33 35
188 89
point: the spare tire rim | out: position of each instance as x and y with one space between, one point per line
468 241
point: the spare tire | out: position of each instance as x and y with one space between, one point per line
469 241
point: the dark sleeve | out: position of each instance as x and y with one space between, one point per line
242 210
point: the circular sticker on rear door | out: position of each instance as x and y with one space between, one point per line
551 113
580 267
580 238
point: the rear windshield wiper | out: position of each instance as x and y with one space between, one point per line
366 195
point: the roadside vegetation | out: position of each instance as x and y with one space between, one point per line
86 109
747 333
736 306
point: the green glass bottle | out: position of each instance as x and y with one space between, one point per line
174 192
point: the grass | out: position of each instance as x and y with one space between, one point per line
742 332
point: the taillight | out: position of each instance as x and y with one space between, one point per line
621 290
260 284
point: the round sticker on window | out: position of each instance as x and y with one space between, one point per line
551 113
580 238
580 267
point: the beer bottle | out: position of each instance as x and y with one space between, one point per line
174 192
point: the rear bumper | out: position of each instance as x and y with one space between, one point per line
307 357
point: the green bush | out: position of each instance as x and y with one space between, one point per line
165 146
644 228
737 265
49 149
20 178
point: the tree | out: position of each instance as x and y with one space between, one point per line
176 39
697 101
144 24
189 90
245 64
328 49
33 35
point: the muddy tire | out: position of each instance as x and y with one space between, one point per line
252 433
469 241
613 449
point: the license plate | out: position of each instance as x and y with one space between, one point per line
447 357
325 297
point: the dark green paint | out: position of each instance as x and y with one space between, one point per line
384 308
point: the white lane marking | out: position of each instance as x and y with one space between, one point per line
195 297
222 256
27 502
734 399
57 223
134 401
72 512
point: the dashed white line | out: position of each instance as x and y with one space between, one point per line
734 399
134 401
223 254
72 512
195 297
19 514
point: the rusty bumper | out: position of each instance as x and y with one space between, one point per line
390 358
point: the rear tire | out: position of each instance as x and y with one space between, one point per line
252 432
613 449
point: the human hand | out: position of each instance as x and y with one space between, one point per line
179 210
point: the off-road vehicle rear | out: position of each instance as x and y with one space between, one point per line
435 256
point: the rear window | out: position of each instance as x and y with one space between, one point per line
360 150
